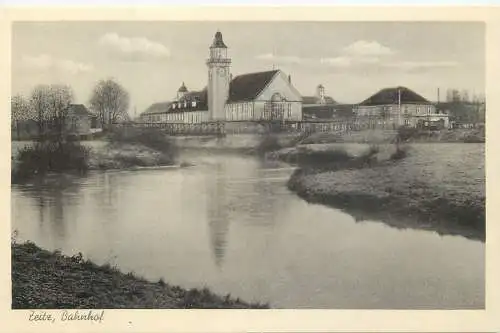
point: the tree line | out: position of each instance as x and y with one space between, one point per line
463 96
464 107
48 106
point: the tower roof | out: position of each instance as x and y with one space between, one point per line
182 88
218 42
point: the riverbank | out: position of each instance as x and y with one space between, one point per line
410 135
416 191
123 148
49 280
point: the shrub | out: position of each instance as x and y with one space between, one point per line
148 137
400 153
50 156
268 143
407 133
319 157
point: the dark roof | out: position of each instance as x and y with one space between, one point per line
218 42
79 110
200 97
328 110
182 88
247 87
157 108
317 100
390 96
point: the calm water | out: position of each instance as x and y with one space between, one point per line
229 223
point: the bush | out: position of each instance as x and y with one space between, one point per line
50 156
148 137
407 133
268 143
400 153
319 157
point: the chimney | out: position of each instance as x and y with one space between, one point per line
289 79
438 96
230 77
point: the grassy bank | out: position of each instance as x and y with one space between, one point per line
409 135
49 280
402 191
122 148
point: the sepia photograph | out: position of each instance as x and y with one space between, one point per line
247 165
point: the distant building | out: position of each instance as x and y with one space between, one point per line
319 106
401 106
79 121
267 95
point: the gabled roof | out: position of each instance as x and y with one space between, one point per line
247 87
391 96
157 108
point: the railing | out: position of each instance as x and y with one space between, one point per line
206 128
231 127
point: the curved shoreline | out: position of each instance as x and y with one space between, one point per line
439 215
50 280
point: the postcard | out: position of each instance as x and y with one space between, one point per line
241 169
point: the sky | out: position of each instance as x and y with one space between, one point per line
353 60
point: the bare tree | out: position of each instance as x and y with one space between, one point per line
59 99
110 102
50 104
465 96
20 111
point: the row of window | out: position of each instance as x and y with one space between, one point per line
240 111
181 116
275 111
185 104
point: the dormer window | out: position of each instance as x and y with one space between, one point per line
193 104
185 104
173 106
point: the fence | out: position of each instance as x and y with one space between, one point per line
237 127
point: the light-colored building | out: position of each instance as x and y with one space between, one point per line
400 106
268 95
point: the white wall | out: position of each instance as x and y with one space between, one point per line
280 85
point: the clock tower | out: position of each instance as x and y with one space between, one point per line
218 78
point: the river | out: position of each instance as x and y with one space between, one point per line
229 223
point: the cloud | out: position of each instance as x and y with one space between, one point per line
134 48
421 65
337 61
49 63
364 48
288 59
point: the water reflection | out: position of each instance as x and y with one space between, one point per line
53 197
230 223
217 212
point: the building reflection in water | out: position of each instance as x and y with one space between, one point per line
217 212
52 201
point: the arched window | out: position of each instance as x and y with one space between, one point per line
277 106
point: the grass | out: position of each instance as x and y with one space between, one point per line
148 137
50 280
418 190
